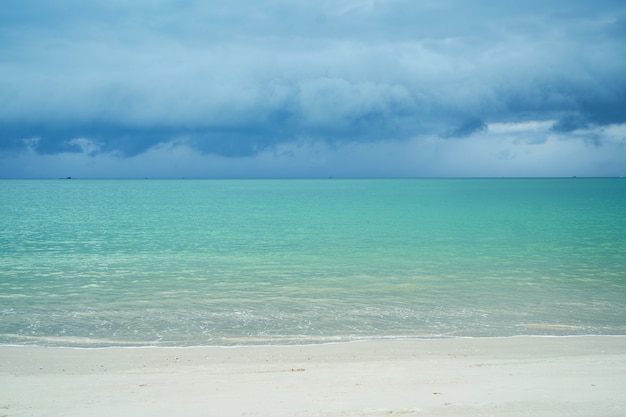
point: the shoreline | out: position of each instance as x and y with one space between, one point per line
130 345
508 376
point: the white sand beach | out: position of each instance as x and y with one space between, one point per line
520 376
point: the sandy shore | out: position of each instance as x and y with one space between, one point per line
523 376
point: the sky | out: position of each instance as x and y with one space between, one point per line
312 88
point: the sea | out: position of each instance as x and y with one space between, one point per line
215 262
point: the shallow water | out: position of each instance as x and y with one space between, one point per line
221 262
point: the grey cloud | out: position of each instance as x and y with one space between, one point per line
238 78
570 123
467 128
607 108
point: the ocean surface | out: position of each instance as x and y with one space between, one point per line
94 263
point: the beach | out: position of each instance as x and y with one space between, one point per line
313 298
516 376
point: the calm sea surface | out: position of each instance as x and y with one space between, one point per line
224 262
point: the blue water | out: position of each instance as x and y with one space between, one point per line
221 262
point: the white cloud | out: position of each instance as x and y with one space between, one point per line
88 147
521 127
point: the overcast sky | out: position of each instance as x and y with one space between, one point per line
312 88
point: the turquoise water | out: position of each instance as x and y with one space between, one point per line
223 262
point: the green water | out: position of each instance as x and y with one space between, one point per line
220 262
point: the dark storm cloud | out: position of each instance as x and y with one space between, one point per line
467 128
238 78
570 123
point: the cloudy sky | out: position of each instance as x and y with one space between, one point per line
312 88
